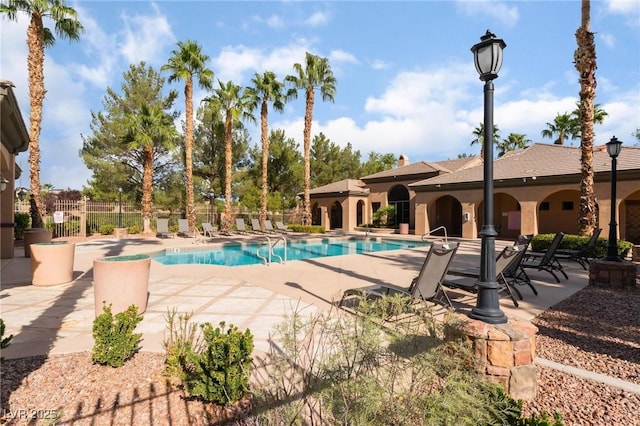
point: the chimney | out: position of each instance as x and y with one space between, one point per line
403 160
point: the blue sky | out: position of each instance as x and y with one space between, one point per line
406 83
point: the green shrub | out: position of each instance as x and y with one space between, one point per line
22 221
383 216
183 338
541 242
309 229
134 229
107 229
220 372
4 341
114 339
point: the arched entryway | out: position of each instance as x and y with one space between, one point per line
506 215
559 211
448 213
360 213
316 215
398 197
630 218
335 216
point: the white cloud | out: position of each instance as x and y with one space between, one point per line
145 38
379 64
342 56
500 11
623 7
608 39
317 19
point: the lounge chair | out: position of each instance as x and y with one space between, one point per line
241 227
513 270
469 280
426 286
582 255
543 261
183 229
281 227
163 229
268 227
207 229
255 226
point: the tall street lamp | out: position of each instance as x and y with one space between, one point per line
613 148
487 57
283 209
120 207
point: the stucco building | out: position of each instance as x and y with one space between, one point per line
536 190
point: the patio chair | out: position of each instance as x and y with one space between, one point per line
241 227
268 227
427 286
469 280
281 227
513 270
207 229
183 229
582 255
543 261
163 229
255 225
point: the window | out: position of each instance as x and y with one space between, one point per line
375 207
567 205
544 206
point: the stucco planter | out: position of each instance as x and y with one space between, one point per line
121 281
52 263
35 235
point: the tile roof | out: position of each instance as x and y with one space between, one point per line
421 167
539 160
353 186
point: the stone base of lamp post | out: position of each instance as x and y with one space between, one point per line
120 232
608 273
505 354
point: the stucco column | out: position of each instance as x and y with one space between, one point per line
6 221
324 218
469 220
604 208
528 217
421 225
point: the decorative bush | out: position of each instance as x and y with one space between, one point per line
22 221
220 372
114 339
184 337
309 229
382 217
542 242
107 229
4 341
134 229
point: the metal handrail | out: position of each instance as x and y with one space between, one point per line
434 230
264 259
284 242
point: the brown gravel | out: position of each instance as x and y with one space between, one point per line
596 330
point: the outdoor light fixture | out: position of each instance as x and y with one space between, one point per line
613 148
120 207
21 193
3 183
487 57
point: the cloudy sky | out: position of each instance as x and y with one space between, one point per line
406 83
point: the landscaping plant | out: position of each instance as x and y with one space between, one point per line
182 337
4 341
114 339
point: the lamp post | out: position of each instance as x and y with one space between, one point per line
3 183
488 60
120 207
613 148
283 209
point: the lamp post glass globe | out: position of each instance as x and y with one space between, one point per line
614 146
487 57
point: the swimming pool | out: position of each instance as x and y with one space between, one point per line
235 254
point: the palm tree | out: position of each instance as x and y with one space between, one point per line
598 116
147 128
316 74
188 62
478 132
514 141
563 126
235 105
66 26
585 62
266 88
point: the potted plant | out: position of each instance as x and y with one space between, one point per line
52 262
121 281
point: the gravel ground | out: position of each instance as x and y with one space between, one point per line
596 330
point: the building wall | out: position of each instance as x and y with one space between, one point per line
7 167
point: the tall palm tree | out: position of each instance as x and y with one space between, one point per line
266 88
235 105
585 62
66 26
147 128
512 142
478 132
188 62
599 115
316 74
563 126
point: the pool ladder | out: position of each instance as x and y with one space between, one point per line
434 230
270 253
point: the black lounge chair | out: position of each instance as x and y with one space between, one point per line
544 261
582 255
469 280
513 270
426 286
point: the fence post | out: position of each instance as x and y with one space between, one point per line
83 217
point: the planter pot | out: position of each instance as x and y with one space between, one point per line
52 263
35 235
404 229
121 281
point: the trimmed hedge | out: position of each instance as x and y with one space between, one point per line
542 242
311 229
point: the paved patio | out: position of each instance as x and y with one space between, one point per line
58 319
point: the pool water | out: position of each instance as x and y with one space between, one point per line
247 254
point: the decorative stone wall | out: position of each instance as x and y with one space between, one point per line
505 354
612 274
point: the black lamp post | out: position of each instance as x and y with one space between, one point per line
488 60
613 148
120 207
283 209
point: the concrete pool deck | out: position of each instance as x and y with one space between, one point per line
58 319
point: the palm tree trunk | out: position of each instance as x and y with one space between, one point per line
188 153
585 62
228 220
147 189
35 61
265 158
308 117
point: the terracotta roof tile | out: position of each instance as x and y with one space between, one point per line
346 185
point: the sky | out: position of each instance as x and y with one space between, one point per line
406 83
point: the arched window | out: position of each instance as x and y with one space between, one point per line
398 197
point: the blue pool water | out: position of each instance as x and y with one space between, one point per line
247 254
